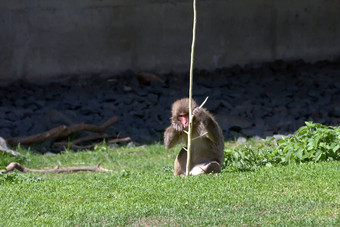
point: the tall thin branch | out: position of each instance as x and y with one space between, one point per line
190 90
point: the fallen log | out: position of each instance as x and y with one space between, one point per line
60 131
14 165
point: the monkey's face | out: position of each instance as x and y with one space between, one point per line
180 113
184 119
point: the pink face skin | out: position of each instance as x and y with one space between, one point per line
184 119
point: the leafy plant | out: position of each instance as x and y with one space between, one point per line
9 178
15 178
247 157
6 158
311 143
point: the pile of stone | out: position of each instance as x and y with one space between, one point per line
254 100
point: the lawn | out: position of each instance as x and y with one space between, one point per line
141 191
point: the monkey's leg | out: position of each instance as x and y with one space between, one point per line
180 163
205 168
213 167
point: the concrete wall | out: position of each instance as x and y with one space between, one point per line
45 38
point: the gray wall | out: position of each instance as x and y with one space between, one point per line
46 38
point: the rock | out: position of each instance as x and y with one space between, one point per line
146 78
208 82
268 134
260 112
25 125
226 104
335 112
278 65
255 100
236 69
278 137
253 131
157 88
127 88
257 138
4 148
334 121
228 121
6 123
113 145
243 110
58 118
152 98
211 104
110 97
131 144
144 146
201 91
241 140
314 93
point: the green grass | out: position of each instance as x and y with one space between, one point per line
142 191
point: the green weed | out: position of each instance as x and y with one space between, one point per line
311 143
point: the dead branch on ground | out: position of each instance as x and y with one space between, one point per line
61 131
118 140
14 165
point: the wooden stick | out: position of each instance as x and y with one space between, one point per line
190 91
118 140
14 165
205 100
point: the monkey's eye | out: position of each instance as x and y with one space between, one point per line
182 115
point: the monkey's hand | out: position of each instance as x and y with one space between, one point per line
198 113
171 137
177 125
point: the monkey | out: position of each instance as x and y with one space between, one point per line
207 147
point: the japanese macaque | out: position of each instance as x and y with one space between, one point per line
207 147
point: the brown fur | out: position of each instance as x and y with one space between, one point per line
207 150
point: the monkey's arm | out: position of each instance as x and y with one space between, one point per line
171 137
203 117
